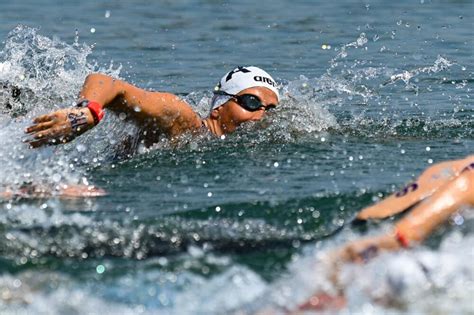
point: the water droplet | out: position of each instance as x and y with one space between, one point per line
81 148
92 30
458 219
100 269
107 14
218 209
56 178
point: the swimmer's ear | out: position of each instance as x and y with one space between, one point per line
215 113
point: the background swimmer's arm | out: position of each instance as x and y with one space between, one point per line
429 181
62 191
419 223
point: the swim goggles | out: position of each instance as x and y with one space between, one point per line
247 101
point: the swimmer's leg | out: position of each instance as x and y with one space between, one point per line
429 181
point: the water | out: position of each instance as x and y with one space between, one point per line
373 93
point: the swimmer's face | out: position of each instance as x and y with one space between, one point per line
232 112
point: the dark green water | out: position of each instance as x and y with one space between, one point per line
219 225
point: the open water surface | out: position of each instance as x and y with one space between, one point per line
373 93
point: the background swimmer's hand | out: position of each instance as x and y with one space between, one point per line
59 127
362 251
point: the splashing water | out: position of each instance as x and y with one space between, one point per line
177 244
440 64
38 75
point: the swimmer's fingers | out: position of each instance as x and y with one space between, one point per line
41 142
40 127
53 135
44 118
59 127
361 251
37 143
359 254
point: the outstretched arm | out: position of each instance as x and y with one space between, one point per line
429 181
164 111
62 191
420 222
414 228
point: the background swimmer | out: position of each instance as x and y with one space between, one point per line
441 191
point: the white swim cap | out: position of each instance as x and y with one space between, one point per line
242 78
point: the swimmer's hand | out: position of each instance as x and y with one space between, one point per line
361 251
59 127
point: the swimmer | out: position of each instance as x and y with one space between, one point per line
243 94
438 193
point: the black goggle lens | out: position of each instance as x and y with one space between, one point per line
248 101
